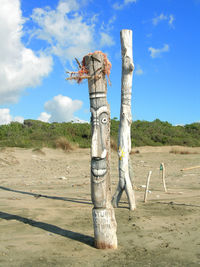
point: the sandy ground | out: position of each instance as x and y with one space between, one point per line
45 210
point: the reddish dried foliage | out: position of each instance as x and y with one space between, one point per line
107 64
84 71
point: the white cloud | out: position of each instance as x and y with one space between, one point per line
106 39
77 120
67 34
171 20
159 18
60 109
108 26
65 30
44 117
163 17
138 70
65 6
120 6
105 36
20 67
19 119
6 118
156 52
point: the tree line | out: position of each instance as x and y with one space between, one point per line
34 133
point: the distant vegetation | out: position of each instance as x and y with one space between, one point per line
37 134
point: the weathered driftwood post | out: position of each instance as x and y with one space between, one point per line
124 138
190 168
104 221
162 168
147 186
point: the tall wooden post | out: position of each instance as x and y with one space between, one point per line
124 138
103 212
147 186
162 168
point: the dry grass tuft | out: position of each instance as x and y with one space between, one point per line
63 143
182 152
113 144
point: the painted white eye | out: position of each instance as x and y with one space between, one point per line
104 120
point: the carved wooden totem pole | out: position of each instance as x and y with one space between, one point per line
95 66
124 137
103 213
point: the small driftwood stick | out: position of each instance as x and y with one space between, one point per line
163 176
96 77
76 78
79 64
124 136
190 168
147 186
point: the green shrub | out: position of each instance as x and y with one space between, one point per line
33 133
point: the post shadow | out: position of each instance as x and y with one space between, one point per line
85 239
75 200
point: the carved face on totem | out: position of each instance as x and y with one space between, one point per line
100 121
99 162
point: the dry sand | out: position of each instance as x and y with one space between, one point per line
45 210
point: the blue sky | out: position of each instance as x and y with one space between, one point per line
39 40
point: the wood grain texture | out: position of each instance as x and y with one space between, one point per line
147 186
103 213
124 138
163 176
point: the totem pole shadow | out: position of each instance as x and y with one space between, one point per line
75 200
88 240
123 207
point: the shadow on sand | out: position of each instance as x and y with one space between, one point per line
75 200
88 240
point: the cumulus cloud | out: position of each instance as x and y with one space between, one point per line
67 32
19 119
20 67
44 117
6 118
157 52
60 109
162 17
64 29
119 6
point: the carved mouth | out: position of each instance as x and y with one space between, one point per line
97 172
99 169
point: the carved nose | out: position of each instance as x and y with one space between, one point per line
98 149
